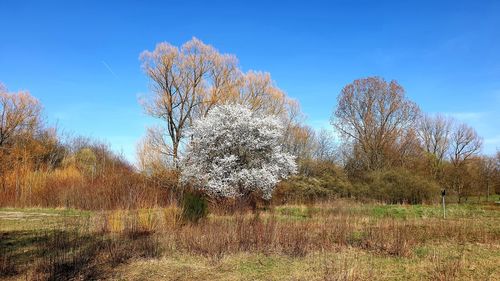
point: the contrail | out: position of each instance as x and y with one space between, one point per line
109 68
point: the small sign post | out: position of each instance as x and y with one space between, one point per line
443 194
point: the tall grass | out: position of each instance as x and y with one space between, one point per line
90 247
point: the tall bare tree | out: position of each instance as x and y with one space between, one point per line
465 143
260 94
407 151
434 134
489 168
299 141
186 82
324 145
374 114
19 121
19 113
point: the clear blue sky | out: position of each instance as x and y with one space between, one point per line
80 58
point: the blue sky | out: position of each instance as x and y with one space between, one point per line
80 58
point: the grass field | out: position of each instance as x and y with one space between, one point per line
339 240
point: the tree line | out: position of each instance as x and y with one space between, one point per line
381 146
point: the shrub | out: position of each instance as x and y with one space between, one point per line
301 189
319 180
194 207
333 178
400 186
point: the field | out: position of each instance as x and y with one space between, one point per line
339 240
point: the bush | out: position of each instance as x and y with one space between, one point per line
401 186
194 207
301 189
319 180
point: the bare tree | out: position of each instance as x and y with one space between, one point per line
465 143
19 113
407 151
434 134
299 141
374 114
489 167
186 82
260 94
324 146
19 120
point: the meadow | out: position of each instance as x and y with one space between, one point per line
238 140
335 240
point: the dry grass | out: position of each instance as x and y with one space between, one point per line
345 264
333 241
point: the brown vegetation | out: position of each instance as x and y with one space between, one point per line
92 246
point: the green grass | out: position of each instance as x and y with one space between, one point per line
16 219
54 211
295 212
432 211
453 210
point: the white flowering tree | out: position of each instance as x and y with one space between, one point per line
234 152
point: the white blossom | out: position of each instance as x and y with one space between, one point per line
235 151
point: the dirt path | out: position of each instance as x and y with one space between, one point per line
13 215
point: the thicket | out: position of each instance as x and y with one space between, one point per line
318 180
86 175
398 186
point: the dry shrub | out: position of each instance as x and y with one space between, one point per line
445 268
271 234
122 248
68 187
389 237
204 239
457 231
214 238
343 269
117 251
114 237
91 177
111 221
139 223
295 232
172 217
